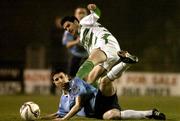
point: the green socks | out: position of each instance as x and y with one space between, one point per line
85 69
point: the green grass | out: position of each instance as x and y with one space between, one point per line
9 106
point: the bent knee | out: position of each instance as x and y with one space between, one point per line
105 81
95 74
112 114
97 56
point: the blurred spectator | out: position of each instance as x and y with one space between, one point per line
78 53
56 31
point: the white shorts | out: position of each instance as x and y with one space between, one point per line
110 49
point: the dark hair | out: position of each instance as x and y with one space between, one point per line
58 70
68 18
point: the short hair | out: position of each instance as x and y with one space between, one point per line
57 71
68 18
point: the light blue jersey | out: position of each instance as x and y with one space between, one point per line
76 50
78 87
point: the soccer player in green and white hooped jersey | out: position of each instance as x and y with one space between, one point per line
102 46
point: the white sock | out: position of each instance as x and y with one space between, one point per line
132 114
117 70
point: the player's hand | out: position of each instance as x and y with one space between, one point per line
91 7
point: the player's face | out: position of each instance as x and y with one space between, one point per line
60 80
71 27
80 13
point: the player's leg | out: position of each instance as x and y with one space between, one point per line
126 60
107 107
107 89
130 114
117 71
106 86
97 56
94 75
112 114
100 51
101 69
148 114
115 113
133 114
106 82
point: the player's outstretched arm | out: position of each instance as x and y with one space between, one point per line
74 110
93 7
49 117
92 18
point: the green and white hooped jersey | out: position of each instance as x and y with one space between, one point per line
93 34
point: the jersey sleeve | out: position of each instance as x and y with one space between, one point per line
63 106
92 18
66 37
77 87
80 87
97 11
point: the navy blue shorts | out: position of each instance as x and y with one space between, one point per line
105 103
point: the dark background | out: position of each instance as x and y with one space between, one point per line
148 28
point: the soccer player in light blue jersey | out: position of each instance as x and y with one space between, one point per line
75 90
78 97
82 99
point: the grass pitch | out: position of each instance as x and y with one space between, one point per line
10 105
